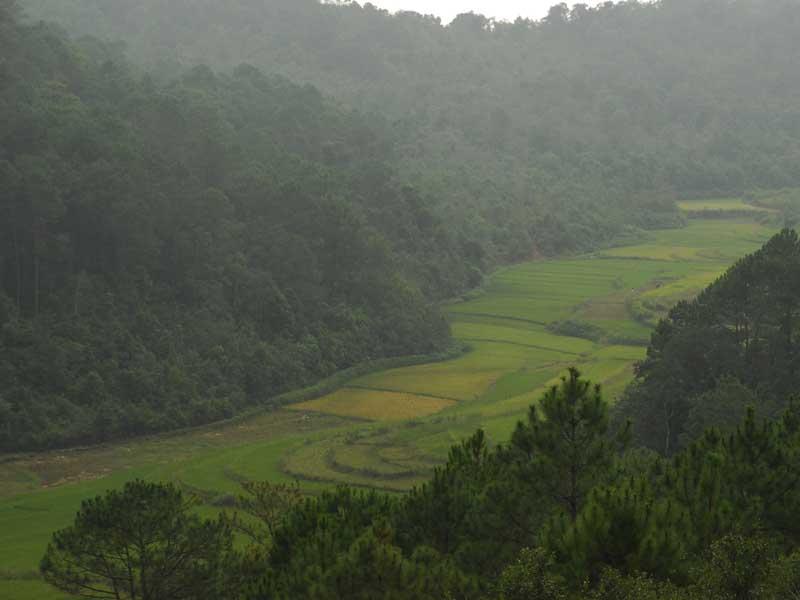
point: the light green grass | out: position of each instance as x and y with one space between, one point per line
375 405
464 378
716 204
513 359
209 460
533 336
17 589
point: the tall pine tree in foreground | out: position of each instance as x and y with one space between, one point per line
565 442
143 542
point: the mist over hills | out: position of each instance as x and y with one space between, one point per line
210 210
202 195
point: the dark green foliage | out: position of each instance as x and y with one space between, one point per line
743 328
615 586
716 522
462 512
265 507
143 542
783 578
314 536
341 545
498 522
745 482
625 528
723 407
173 253
440 513
483 507
373 569
531 577
735 568
567 444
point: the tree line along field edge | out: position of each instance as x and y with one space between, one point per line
416 442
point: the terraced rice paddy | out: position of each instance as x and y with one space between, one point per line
389 429
376 405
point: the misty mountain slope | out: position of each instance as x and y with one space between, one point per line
512 125
171 254
183 243
684 95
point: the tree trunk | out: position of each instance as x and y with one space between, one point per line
36 285
38 234
78 280
668 412
18 260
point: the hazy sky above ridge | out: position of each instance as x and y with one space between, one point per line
447 9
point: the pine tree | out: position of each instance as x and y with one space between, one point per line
565 447
625 528
142 543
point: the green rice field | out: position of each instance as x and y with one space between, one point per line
388 430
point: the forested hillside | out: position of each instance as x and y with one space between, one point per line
179 241
207 203
171 253
594 112
736 345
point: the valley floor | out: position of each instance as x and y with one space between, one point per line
389 429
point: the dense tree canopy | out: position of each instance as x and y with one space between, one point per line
171 253
178 243
715 522
596 114
735 345
142 543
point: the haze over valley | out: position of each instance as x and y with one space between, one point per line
311 300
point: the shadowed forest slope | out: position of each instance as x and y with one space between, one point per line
170 254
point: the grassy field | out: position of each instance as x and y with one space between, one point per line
785 200
375 405
388 430
716 204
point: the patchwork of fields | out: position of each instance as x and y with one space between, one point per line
389 429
